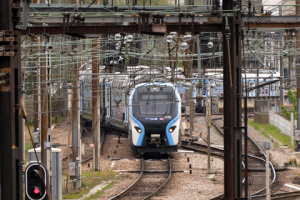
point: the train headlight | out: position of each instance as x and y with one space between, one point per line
138 129
172 129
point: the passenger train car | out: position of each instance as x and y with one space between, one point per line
271 90
154 117
148 110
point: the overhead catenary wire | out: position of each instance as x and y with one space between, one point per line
63 48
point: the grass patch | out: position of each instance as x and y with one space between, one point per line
273 131
265 134
98 194
89 180
276 145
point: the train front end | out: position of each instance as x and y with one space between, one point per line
154 118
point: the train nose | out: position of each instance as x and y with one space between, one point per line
155 138
155 128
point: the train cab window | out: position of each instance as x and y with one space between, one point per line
157 104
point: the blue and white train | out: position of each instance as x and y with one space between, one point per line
150 112
154 117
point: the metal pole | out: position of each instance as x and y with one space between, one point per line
290 72
49 138
44 107
232 100
245 122
75 120
257 74
95 105
292 130
191 110
172 72
208 150
36 85
298 68
190 65
208 124
199 55
267 149
281 69
11 134
58 58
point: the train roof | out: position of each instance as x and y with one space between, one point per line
169 84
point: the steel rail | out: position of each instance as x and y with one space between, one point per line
90 158
282 195
186 146
133 184
271 165
165 183
66 156
102 140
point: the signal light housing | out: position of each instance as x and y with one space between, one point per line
34 183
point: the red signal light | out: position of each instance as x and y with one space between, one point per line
36 191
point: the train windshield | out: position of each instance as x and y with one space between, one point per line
155 103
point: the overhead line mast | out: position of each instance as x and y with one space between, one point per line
11 137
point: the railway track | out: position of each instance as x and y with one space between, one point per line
281 196
146 185
259 162
85 159
202 148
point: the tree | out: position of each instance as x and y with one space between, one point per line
292 98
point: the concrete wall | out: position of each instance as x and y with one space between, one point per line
284 125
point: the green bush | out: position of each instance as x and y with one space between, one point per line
30 121
292 98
